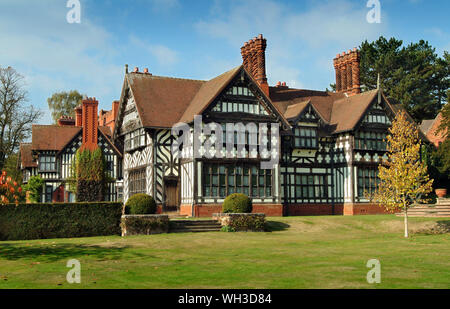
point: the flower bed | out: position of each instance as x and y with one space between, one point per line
239 222
144 224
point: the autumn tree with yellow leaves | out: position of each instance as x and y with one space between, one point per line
404 180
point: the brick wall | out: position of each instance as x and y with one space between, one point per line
313 209
277 210
364 209
433 136
207 210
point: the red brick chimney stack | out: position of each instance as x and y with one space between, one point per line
254 60
354 56
115 109
346 66
90 123
78 116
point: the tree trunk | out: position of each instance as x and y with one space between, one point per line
406 222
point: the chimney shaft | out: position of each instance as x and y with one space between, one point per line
254 60
337 68
346 66
78 116
90 124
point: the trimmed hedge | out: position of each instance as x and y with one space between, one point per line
59 220
144 224
237 203
234 222
140 204
90 191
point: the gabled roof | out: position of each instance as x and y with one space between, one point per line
207 93
26 156
292 111
322 101
52 137
347 112
56 138
161 101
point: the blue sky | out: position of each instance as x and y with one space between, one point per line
196 39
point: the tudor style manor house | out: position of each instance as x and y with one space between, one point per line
329 143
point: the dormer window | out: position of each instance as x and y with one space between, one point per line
47 163
305 137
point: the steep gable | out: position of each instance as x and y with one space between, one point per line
161 101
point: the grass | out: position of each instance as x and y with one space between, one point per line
299 252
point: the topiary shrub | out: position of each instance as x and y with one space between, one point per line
237 203
140 204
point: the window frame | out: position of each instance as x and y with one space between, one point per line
43 162
221 180
310 137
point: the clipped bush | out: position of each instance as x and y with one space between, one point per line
237 203
59 220
140 204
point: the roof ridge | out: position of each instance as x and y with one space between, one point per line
53 125
168 77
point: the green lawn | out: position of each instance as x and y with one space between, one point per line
300 252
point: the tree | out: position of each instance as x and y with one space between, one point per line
34 186
12 167
413 75
64 103
15 117
403 178
89 170
10 191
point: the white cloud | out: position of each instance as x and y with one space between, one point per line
322 29
163 54
54 55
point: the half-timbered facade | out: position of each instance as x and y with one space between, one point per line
327 145
53 148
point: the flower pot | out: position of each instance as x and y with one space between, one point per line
441 192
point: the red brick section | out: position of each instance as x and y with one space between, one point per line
277 210
254 60
90 123
364 209
78 116
206 210
313 209
347 72
108 118
433 136
58 194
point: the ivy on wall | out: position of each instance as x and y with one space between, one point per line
89 170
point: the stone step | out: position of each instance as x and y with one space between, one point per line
194 222
194 230
425 215
443 201
430 209
188 226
